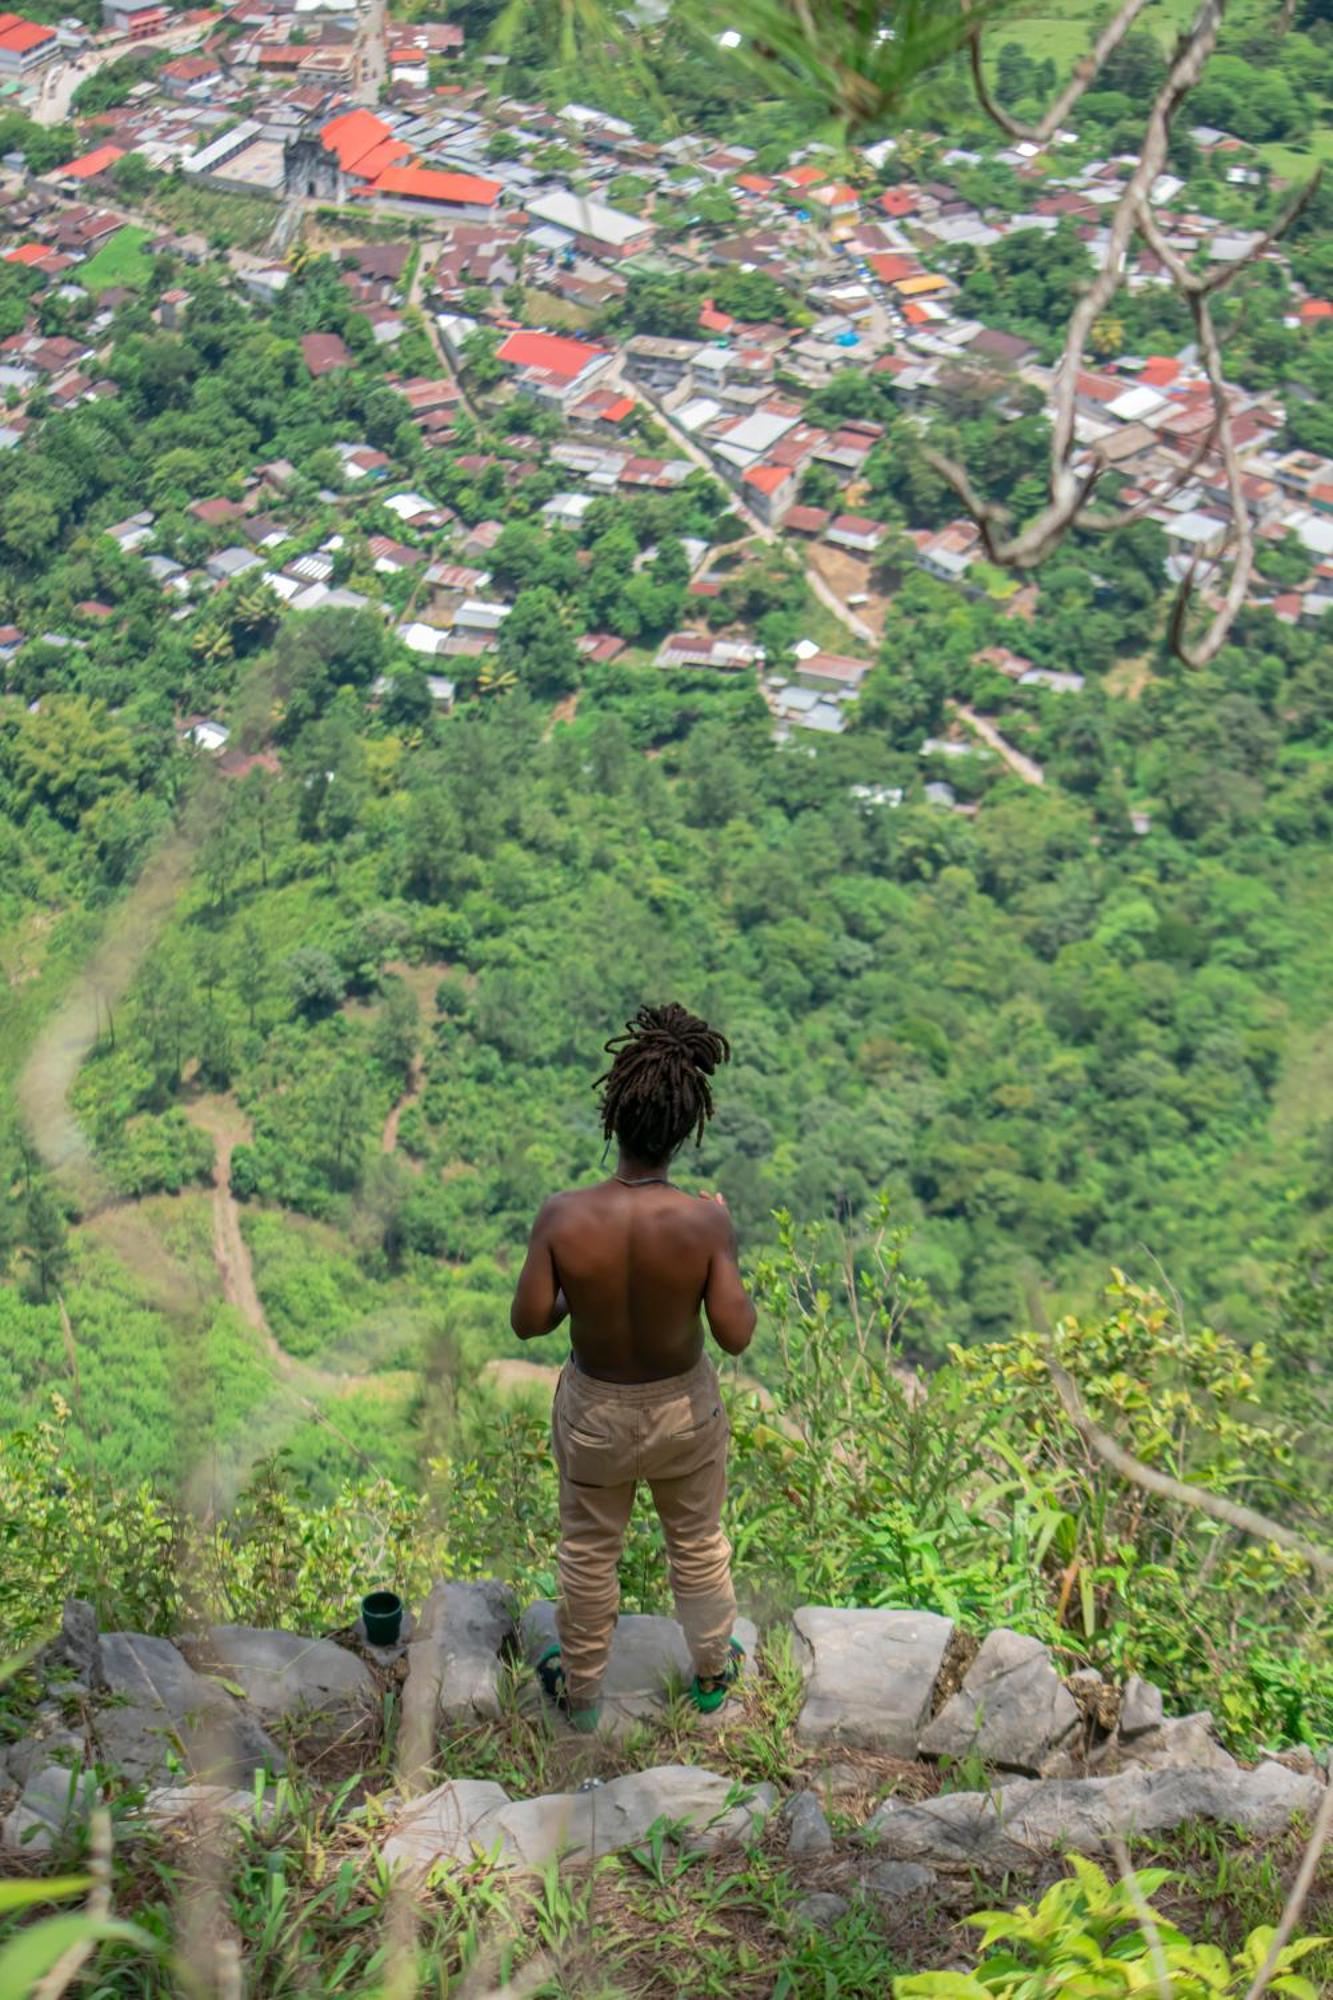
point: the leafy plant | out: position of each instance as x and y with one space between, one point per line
1102 1940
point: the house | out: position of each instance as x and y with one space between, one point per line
135 18
1005 350
597 230
207 735
657 362
768 491
552 367
806 520
25 45
437 192
705 649
228 564
190 76
949 554
89 166
855 532
831 673
325 352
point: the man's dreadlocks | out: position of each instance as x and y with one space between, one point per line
656 1091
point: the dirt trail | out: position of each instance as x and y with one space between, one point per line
1022 765
56 1057
423 983
227 1126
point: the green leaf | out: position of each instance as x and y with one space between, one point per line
18 1895
29 1956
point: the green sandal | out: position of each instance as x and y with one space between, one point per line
550 1672
709 1691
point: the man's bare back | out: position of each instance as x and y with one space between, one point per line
634 1265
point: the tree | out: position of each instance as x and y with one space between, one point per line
397 1029
535 644
315 980
45 1238
252 968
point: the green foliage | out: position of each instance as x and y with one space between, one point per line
1106 1938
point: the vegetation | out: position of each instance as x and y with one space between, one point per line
257 1235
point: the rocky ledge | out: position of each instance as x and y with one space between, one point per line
1072 1762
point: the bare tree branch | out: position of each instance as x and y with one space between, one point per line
1300 1889
1242 566
1085 72
1245 1519
1068 492
1109 524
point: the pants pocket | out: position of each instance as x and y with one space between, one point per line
589 1448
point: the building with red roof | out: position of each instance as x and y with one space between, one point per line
28 253
552 367
323 352
89 165
769 491
355 137
1315 311
25 45
461 194
804 177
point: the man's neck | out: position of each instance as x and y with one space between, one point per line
630 1168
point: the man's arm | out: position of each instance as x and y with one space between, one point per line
731 1314
539 1303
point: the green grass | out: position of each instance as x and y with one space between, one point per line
122 260
997 583
1063 32
241 221
1297 163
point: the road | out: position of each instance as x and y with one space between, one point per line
372 57
427 253
1024 767
58 84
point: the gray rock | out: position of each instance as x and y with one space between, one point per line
467 1817
75 1652
53 1799
869 1675
446 1824
1012 1709
808 1831
901 1883
162 1706
839 1780
50 1743
454 1664
201 1806
1181 1743
313 1684
1030 1818
1140 1707
820 1911
648 1657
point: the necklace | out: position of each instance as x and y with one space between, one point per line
649 1180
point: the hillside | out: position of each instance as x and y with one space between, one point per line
503 521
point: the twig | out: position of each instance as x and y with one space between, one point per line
97 1908
1147 1923
1300 1889
1247 1519
1085 72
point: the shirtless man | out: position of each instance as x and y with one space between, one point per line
632 1263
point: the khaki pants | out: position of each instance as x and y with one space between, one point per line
607 1437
